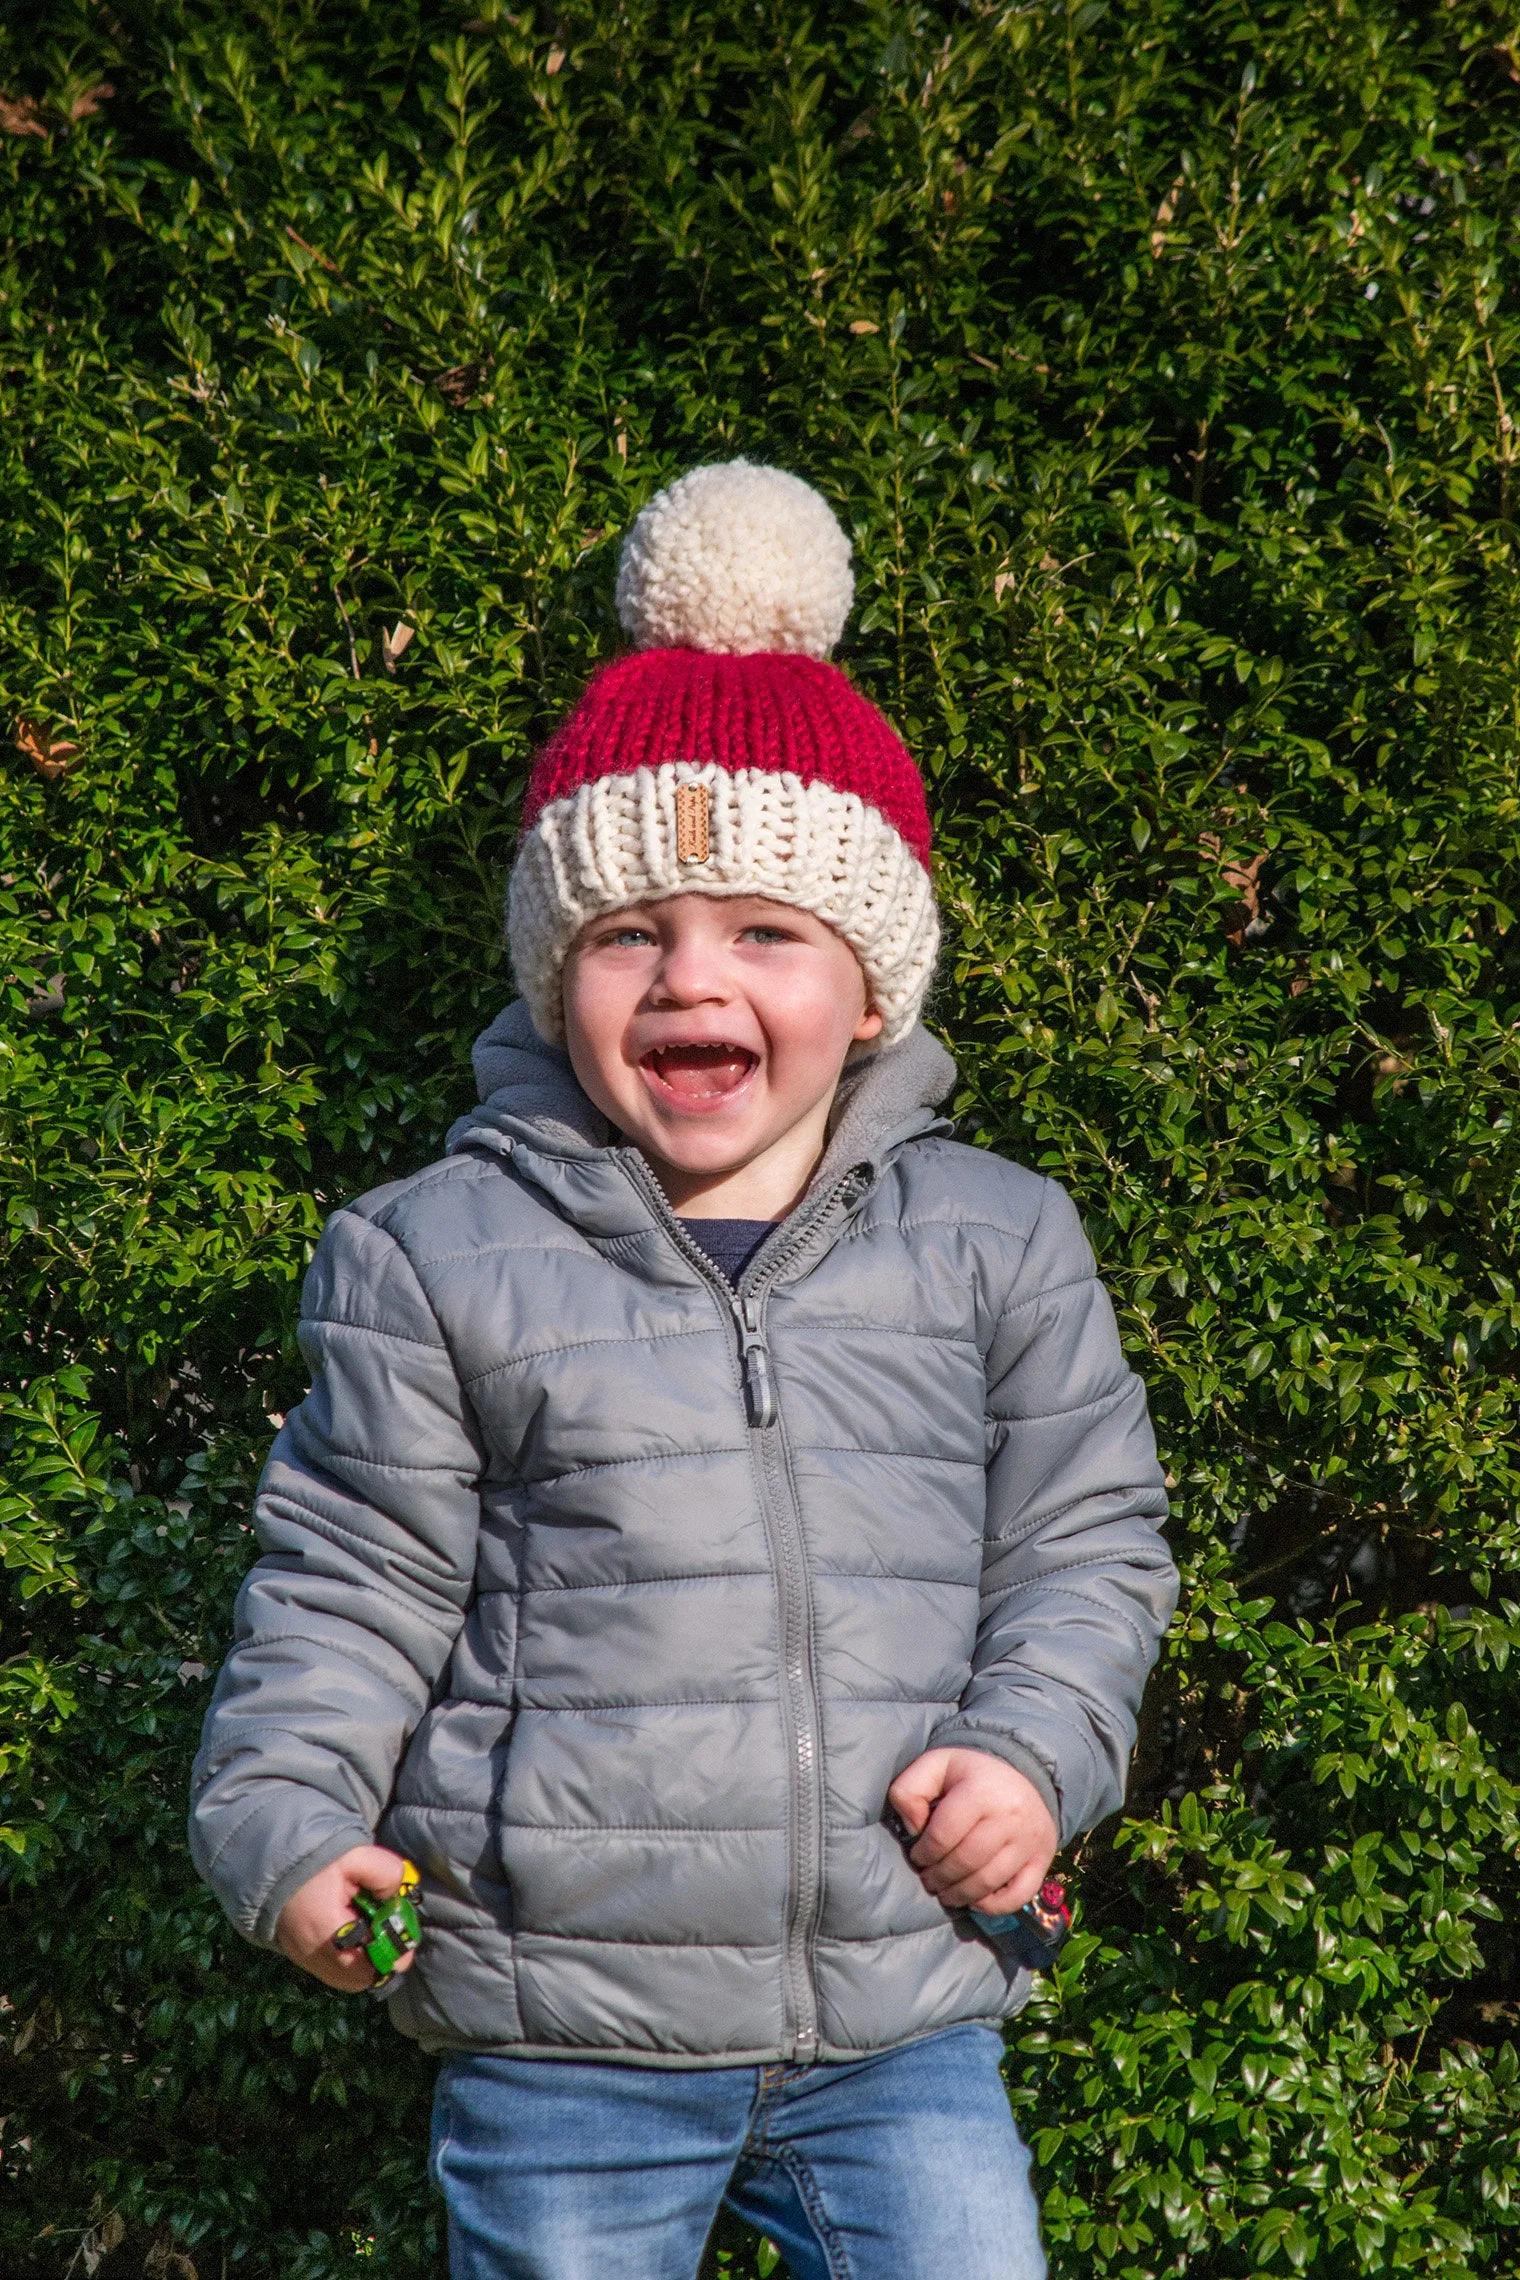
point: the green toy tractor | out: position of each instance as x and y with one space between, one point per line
385 1929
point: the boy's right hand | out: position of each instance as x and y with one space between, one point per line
325 1903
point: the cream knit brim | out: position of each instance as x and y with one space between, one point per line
614 843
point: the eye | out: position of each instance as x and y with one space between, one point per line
625 938
767 934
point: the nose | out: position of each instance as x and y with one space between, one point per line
690 971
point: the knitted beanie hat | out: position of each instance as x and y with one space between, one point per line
725 756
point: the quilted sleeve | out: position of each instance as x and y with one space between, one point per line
1077 1584
367 1516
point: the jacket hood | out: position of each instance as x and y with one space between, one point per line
529 1091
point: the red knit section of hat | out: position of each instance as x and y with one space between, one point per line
784 713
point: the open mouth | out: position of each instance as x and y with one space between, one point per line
700 1074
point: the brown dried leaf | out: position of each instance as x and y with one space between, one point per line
1165 215
21 115
1242 877
49 754
102 2241
393 643
166 2262
460 384
89 99
556 61
864 325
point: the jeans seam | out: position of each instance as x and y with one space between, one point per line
787 2158
768 2080
443 2138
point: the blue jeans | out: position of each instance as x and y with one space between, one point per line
906 2166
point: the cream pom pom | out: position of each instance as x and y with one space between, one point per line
737 559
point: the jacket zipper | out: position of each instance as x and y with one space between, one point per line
783 1521
755 1359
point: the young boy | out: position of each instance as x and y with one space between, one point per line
709 1453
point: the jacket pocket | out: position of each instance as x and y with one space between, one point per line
442 1814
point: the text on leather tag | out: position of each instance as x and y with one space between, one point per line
691 823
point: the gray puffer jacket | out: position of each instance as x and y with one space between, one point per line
616 1597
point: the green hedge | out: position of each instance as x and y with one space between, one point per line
1161 361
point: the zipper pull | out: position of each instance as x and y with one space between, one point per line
759 1391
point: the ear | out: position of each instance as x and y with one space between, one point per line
868 1026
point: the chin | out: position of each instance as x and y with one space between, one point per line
689 1155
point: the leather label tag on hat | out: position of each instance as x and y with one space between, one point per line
691 823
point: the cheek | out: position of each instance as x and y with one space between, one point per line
815 1024
595 1020
575 998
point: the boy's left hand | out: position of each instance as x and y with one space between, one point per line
985 1835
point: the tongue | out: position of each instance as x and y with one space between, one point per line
701 1072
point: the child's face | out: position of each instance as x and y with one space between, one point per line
712 1032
